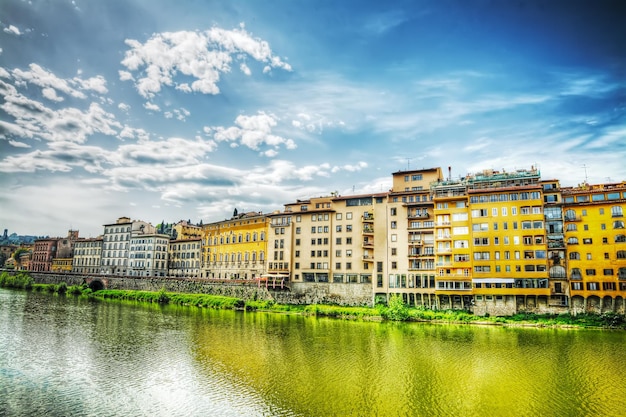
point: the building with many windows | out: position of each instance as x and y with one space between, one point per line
235 248
148 253
87 256
185 258
595 237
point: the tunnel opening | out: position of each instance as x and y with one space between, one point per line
96 285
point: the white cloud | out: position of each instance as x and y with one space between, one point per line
97 84
51 94
200 55
19 144
245 69
252 132
151 106
45 79
123 107
34 120
13 30
4 73
125 76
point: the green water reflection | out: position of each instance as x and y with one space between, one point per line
76 357
329 367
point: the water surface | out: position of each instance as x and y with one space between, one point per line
74 357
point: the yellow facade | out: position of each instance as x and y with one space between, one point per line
235 248
596 244
61 265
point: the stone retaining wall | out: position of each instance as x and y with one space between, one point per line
297 293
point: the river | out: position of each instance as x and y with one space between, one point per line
69 356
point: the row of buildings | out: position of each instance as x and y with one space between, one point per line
491 242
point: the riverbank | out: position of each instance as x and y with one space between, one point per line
395 310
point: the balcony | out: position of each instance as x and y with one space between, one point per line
368 258
368 217
368 230
368 244
570 218
421 215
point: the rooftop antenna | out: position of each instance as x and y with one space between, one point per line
408 164
585 167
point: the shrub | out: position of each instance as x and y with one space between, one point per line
396 310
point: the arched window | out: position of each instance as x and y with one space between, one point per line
616 211
572 227
254 236
557 271
570 215
620 238
574 256
576 274
621 273
572 241
262 236
618 224
262 256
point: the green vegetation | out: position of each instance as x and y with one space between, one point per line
394 310
20 280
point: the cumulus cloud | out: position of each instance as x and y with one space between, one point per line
33 120
253 132
203 56
97 84
40 77
151 106
12 30
19 144
51 94
123 107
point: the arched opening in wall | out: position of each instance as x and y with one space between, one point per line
607 304
594 304
96 285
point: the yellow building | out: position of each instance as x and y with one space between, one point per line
235 248
453 251
596 246
185 230
408 226
61 265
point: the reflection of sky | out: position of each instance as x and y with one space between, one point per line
186 111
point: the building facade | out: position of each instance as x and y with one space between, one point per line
87 256
148 253
235 248
44 250
185 258
595 237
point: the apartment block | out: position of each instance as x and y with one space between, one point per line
185 258
595 238
235 248
87 256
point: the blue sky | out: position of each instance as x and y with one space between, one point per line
170 110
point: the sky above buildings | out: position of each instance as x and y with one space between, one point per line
176 110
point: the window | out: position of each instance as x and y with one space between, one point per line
616 211
393 211
394 225
575 256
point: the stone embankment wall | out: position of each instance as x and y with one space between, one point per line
297 293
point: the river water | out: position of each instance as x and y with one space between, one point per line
74 357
